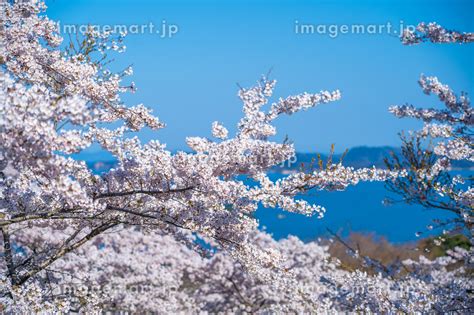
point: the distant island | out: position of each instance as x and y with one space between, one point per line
357 157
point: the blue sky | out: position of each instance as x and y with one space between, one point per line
190 79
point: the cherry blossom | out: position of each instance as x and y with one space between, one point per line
169 232
434 33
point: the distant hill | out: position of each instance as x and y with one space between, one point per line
358 157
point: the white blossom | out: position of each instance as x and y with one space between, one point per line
219 131
434 33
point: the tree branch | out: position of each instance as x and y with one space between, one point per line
8 255
140 191
64 250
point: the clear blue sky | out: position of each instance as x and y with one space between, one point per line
190 79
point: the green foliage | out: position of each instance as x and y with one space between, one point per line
438 246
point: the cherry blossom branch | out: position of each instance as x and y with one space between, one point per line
434 33
8 254
65 250
145 192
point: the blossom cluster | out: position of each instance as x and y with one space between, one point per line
145 270
434 33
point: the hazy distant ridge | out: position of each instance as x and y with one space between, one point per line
363 156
